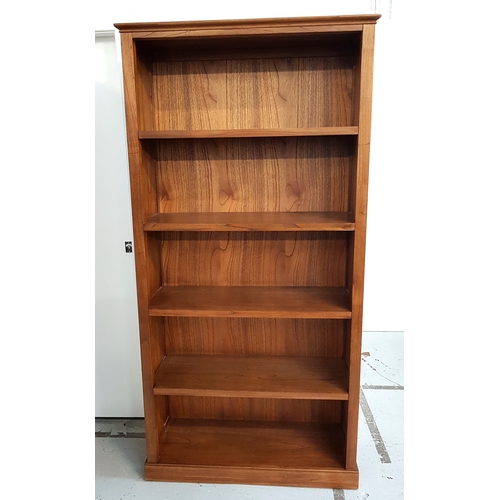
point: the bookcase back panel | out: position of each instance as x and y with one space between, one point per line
254 259
254 336
255 175
253 93
255 409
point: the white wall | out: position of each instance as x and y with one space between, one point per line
385 253
118 391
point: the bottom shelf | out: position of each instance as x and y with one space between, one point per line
264 453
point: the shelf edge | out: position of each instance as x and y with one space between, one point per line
235 221
199 301
247 133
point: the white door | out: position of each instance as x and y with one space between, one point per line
118 389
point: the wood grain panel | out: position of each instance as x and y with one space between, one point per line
254 259
262 93
252 93
329 84
189 95
256 409
254 336
309 174
144 92
323 173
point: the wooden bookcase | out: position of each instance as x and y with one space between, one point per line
248 147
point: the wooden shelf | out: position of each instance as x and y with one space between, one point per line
237 133
247 452
282 377
257 221
252 302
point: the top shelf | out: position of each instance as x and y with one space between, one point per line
236 133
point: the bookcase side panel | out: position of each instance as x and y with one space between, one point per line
147 262
359 197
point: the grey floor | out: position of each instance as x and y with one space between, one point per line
120 445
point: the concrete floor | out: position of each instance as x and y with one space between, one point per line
120 445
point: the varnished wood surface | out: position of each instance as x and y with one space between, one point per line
146 250
254 258
253 221
269 23
258 409
293 174
360 201
253 377
255 336
274 132
325 478
226 97
251 301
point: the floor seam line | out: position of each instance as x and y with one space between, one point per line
338 494
374 431
384 387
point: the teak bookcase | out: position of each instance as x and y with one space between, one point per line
248 146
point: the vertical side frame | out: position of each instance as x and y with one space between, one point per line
142 170
359 193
